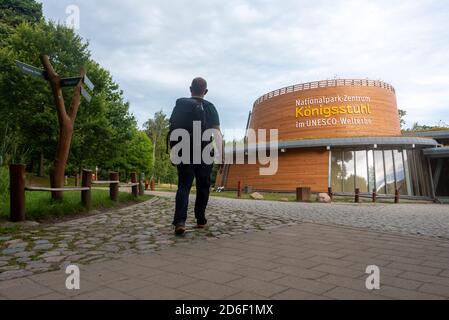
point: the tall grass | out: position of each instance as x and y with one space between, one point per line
4 187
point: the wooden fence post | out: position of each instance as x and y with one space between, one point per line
239 191
374 196
134 188
303 194
17 192
86 182
141 184
357 195
113 187
396 196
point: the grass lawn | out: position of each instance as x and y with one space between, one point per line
40 206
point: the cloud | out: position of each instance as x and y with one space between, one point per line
248 48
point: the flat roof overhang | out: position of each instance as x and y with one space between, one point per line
368 142
437 153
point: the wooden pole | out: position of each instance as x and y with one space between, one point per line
303 194
357 195
330 193
396 196
113 187
374 196
239 191
17 192
141 184
86 196
134 188
66 120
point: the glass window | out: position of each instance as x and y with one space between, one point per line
413 173
348 172
389 172
337 171
401 178
423 174
407 173
380 171
371 171
361 171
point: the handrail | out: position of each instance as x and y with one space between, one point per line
106 182
325 84
43 189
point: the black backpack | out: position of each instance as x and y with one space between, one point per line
185 113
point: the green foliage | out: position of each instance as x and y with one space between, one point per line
4 186
402 115
418 127
29 127
15 12
157 129
137 157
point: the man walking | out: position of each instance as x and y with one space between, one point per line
188 111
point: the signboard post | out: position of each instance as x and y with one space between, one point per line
66 117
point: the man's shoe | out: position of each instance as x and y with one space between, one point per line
201 226
180 230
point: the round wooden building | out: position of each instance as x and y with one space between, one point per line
338 134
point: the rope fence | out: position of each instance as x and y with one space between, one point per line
18 188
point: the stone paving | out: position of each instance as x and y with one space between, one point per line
141 235
298 262
142 228
429 220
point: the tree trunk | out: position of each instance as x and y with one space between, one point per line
66 122
60 161
41 165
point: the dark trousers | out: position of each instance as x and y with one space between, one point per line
186 174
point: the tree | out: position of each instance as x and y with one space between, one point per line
157 130
66 120
103 128
418 127
138 155
15 12
402 115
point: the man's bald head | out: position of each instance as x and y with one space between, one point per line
199 87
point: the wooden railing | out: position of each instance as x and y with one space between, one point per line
18 188
325 84
374 196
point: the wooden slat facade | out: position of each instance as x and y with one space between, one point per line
280 113
297 168
310 167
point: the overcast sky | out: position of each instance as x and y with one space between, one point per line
248 48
